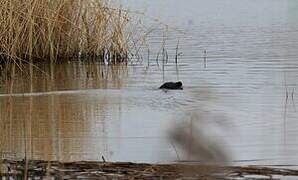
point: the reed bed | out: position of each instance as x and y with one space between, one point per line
55 30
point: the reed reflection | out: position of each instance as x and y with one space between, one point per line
58 126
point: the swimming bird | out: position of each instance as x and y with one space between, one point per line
172 85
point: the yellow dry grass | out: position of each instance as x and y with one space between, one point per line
52 30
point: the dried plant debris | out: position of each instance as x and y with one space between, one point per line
104 170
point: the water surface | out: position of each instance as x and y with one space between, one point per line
242 95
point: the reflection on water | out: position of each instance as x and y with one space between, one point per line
66 76
244 86
84 113
55 119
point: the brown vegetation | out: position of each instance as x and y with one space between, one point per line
54 30
105 170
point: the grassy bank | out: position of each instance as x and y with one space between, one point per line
43 30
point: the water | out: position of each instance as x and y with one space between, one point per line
243 98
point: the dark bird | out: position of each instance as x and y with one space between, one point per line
172 85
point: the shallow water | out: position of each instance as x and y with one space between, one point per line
243 98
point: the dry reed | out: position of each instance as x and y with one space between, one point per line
52 30
122 170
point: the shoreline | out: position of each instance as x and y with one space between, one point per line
128 170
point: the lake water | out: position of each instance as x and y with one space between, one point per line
239 98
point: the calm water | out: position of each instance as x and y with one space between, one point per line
241 101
